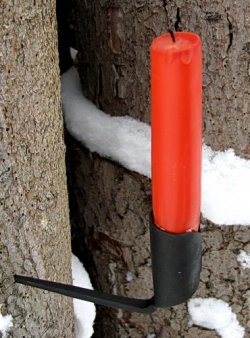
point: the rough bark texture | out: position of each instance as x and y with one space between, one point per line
113 42
112 209
35 232
110 205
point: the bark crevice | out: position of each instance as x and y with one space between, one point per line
230 33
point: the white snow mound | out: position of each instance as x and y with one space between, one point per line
215 314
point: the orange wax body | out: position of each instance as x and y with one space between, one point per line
176 103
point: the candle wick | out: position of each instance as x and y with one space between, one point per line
172 35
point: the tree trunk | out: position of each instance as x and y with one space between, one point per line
114 40
111 204
35 231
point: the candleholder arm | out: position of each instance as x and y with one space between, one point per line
176 266
145 306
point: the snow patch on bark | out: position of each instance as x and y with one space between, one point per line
84 312
244 259
215 314
6 323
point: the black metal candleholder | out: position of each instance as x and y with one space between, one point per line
176 266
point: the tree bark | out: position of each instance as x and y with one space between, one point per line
110 210
113 42
35 230
111 204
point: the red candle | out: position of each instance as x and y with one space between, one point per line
176 104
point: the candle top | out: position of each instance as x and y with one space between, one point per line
183 41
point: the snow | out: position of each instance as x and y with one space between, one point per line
84 312
215 314
122 139
225 176
73 53
244 259
130 276
225 187
6 323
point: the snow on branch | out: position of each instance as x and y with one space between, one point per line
122 139
225 187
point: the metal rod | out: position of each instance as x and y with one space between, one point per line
145 306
